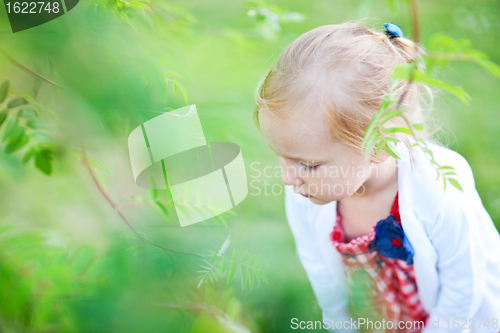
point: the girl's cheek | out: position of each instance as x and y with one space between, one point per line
282 165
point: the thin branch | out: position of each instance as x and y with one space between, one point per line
27 70
416 40
116 207
414 21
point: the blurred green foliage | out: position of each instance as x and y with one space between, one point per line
67 263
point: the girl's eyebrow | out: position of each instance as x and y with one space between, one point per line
292 158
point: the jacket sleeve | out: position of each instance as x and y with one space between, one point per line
330 298
461 262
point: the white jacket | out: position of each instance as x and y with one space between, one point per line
456 246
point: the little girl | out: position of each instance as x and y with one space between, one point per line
385 246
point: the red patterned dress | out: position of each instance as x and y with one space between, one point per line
380 288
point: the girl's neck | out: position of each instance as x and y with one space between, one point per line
383 177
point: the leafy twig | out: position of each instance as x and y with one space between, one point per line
115 206
373 130
223 318
250 267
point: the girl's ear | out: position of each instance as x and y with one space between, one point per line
380 158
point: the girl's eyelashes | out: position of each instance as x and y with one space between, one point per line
307 167
312 167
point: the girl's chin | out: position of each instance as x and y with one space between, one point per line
318 201
324 201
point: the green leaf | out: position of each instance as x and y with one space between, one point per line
390 149
455 90
382 108
153 193
28 154
225 245
418 127
171 74
251 278
26 112
41 137
224 265
16 102
441 42
231 272
397 129
117 14
253 261
482 59
3 116
136 4
12 146
128 19
43 160
455 183
36 123
262 275
245 257
15 134
257 276
392 138
403 71
244 276
389 115
230 211
371 143
174 87
9 127
162 208
380 145
235 255
214 258
183 90
4 89
368 130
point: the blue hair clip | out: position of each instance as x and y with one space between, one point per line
393 30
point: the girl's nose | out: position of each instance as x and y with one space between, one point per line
290 175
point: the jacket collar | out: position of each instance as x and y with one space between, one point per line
425 257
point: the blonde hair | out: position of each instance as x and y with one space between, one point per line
343 70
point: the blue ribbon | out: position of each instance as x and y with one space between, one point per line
394 29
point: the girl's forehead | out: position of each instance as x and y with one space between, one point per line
299 125
299 137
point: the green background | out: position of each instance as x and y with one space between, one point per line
111 79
